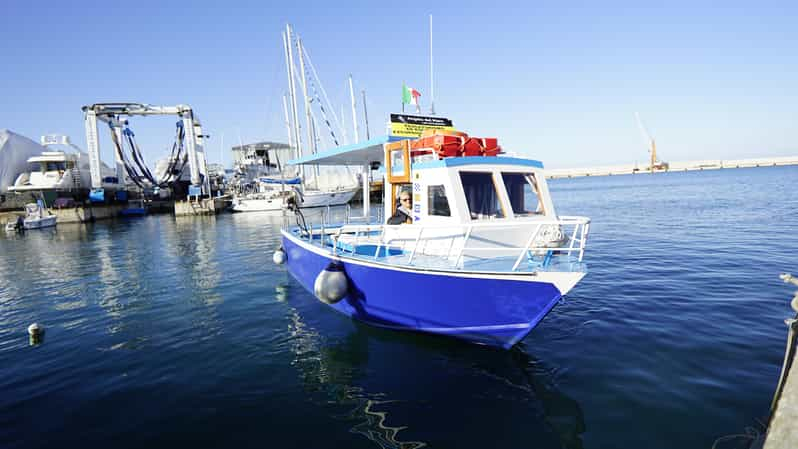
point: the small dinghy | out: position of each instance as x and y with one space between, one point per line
36 217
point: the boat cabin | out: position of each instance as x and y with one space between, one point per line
464 188
47 171
48 167
453 178
472 207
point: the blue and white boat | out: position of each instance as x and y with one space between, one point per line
485 258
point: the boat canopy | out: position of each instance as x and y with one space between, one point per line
355 154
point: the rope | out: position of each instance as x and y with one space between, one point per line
321 106
321 86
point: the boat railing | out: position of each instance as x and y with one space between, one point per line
326 217
546 238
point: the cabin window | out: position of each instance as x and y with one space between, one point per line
397 163
522 188
437 201
35 166
56 166
397 158
481 196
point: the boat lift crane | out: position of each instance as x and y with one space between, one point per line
114 114
654 164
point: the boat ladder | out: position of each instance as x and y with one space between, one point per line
77 181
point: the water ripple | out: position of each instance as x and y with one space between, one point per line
163 329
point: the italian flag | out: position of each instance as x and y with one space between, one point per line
410 95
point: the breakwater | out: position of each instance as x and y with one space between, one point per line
708 164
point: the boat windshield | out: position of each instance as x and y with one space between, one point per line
522 188
35 166
56 166
481 196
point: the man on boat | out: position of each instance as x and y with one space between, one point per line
403 211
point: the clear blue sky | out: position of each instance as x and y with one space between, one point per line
558 83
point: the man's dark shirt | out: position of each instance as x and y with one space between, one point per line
399 217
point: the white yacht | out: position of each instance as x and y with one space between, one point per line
60 170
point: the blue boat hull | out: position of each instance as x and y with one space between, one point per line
497 310
133 212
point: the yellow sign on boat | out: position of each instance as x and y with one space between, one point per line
404 125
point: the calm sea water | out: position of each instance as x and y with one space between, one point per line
165 332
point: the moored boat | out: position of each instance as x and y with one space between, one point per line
63 168
484 258
269 195
135 208
37 216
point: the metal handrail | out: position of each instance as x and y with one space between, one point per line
574 241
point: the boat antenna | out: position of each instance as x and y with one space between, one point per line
431 79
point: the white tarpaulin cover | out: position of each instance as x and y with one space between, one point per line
14 153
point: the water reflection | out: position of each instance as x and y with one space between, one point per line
359 372
194 244
329 370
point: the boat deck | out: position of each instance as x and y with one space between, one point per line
369 248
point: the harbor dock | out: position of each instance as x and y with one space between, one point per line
710 164
782 431
85 213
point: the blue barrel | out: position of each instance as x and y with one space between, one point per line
97 196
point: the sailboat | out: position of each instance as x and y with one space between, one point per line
320 186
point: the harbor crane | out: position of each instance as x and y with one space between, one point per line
114 114
654 163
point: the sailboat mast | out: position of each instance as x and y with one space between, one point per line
288 123
292 92
431 80
343 126
354 109
309 120
366 115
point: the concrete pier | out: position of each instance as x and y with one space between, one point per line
79 214
205 206
85 214
783 430
711 164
